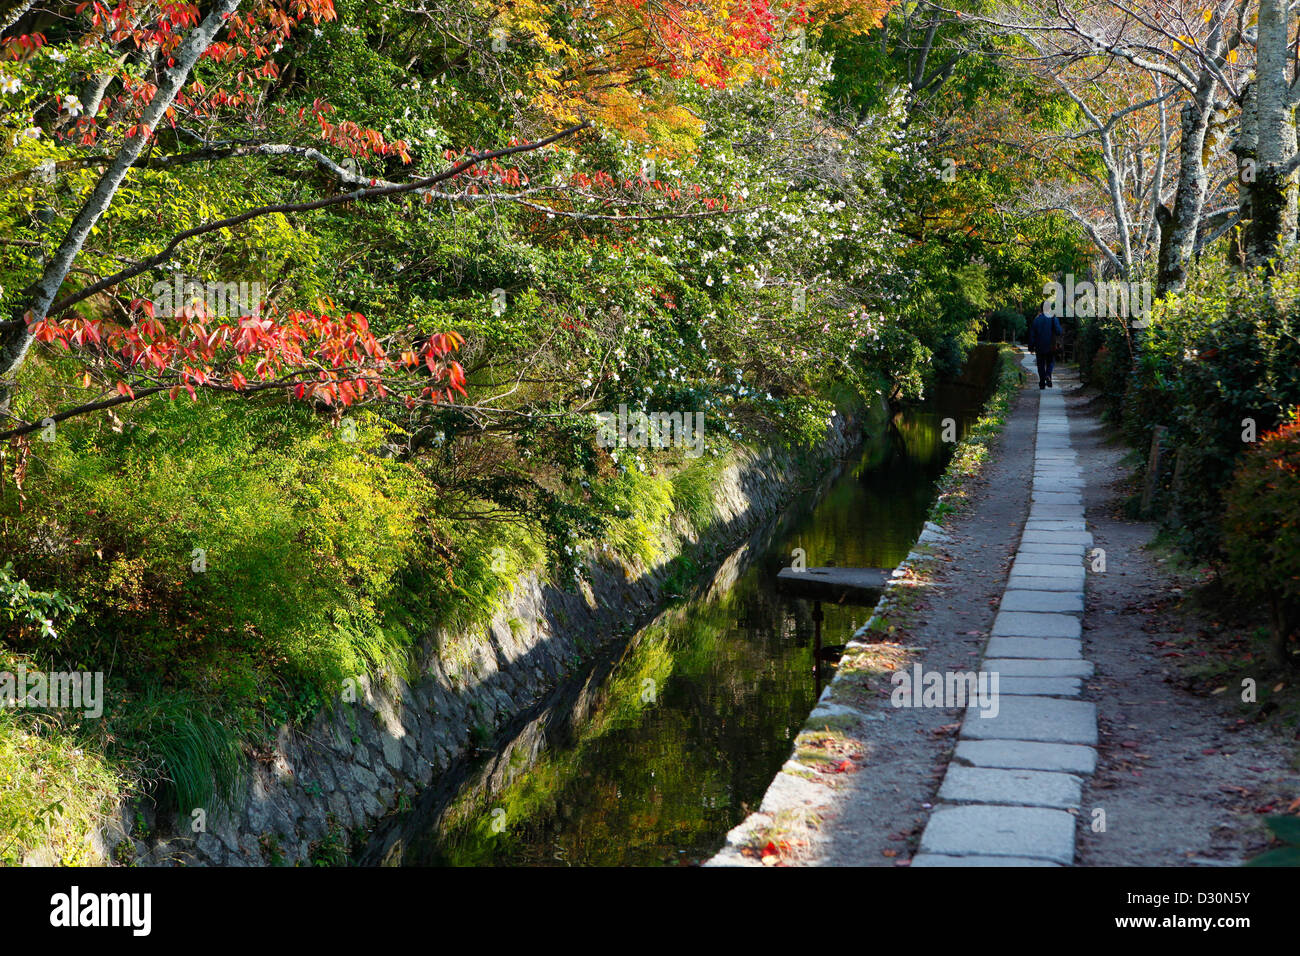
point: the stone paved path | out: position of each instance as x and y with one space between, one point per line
1015 776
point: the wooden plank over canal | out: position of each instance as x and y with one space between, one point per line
835 585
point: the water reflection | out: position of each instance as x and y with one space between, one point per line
661 746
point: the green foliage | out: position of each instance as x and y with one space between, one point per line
694 488
238 550
1262 530
640 504
1286 829
19 603
194 757
806 420
332 849
682 572
1221 356
972 451
1007 324
54 789
1104 352
237 558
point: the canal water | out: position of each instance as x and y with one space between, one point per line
665 742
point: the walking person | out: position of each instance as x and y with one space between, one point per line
1044 333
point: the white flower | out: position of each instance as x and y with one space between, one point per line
32 132
73 105
10 84
57 56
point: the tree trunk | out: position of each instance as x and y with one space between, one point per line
1272 194
15 13
1245 148
1178 227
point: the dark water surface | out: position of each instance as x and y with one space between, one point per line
655 750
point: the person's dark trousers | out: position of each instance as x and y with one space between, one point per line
1045 363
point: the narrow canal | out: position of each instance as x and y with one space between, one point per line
660 746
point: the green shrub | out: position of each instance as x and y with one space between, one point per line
1287 830
1006 324
640 504
1262 531
694 488
54 790
971 454
1104 355
22 607
194 758
239 550
1222 353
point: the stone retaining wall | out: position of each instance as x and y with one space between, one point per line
353 764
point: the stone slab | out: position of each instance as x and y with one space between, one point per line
1035 832
1049 547
1044 602
1040 686
1056 537
1035 648
1055 524
1027 788
1041 512
1025 582
1056 497
1046 719
1026 755
860 585
1037 667
1058 484
1036 624
1072 560
925 860
1032 569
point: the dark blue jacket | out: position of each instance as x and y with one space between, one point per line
1043 331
